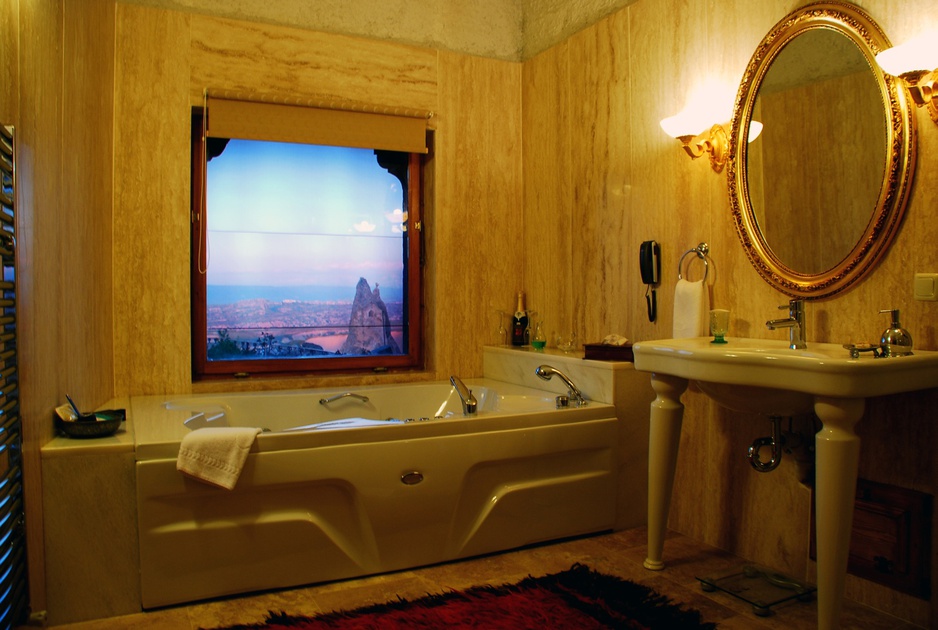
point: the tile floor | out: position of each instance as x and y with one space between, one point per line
619 553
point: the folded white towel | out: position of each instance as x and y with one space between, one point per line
216 455
690 309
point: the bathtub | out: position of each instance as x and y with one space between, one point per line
328 502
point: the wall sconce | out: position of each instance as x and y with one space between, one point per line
686 128
915 63
755 128
697 139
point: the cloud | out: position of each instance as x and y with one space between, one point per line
397 216
364 226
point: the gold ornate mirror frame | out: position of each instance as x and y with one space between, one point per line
886 217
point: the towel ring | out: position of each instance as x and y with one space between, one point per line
702 250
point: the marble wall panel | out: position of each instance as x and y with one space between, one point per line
488 28
600 167
40 251
9 51
94 543
87 212
475 265
249 56
547 224
151 202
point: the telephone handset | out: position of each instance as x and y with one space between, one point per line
649 257
649 262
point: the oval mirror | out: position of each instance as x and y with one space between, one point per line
818 195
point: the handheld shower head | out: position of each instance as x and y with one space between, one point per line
546 372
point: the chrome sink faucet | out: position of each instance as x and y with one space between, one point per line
794 323
469 403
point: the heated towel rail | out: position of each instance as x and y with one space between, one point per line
14 595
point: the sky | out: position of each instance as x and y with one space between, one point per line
287 214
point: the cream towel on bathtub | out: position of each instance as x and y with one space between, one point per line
216 455
690 309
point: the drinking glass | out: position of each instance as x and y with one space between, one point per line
719 324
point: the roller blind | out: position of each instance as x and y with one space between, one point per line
334 126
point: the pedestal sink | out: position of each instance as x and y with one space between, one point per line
766 377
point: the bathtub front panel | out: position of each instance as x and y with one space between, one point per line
306 515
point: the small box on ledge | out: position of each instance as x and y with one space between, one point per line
608 352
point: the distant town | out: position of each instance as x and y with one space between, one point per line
262 328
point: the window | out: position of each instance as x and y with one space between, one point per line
305 257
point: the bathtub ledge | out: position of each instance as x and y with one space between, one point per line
120 442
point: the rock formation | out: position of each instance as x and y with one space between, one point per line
369 327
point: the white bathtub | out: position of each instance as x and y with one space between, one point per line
321 505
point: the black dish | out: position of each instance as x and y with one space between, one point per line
105 423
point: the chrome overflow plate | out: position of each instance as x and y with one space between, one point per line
411 478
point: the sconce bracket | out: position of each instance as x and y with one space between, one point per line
923 88
712 141
717 148
691 146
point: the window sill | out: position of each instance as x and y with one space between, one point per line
279 382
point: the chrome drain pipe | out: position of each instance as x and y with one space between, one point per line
775 441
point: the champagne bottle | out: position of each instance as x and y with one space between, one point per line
519 322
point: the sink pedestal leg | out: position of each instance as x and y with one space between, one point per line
838 454
667 414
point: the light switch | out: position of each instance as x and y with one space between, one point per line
925 287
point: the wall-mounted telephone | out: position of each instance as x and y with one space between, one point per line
649 259
649 262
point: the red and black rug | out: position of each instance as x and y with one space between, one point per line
578 598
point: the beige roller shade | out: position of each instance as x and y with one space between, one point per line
282 122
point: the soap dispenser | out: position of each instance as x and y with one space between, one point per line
896 341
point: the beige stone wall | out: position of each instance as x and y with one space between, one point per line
164 61
9 52
600 176
548 22
512 30
487 28
61 64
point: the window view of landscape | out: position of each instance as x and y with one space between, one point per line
305 252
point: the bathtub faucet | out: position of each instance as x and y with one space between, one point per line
469 402
546 372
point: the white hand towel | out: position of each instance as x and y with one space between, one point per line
690 309
216 455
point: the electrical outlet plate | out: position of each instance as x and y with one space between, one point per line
925 287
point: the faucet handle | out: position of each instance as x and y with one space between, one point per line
471 405
794 305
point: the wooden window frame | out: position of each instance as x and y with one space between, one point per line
202 368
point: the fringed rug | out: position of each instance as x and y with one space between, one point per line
578 598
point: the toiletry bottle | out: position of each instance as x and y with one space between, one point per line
519 322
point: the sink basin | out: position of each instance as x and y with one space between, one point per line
767 377
823 369
765 401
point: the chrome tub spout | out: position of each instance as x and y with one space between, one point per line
326 401
469 403
546 372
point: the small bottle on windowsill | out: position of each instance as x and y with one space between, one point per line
519 322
